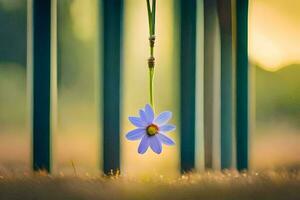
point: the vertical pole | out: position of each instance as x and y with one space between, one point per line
111 41
41 90
188 82
211 84
199 156
242 99
227 69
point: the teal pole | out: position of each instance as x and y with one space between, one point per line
187 83
211 82
41 129
242 85
227 69
112 18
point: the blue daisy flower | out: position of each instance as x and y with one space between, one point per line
151 130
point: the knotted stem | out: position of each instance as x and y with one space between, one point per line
151 60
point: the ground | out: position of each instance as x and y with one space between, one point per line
273 185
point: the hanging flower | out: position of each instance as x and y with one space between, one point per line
152 131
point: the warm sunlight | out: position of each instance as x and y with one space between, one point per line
274 33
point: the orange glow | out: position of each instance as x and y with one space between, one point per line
274 31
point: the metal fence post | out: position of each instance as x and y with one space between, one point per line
227 80
211 85
242 85
187 83
41 82
112 18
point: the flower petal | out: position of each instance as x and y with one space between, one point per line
167 128
155 144
143 116
136 134
164 139
163 118
144 144
137 122
149 113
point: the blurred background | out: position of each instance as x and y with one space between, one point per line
274 55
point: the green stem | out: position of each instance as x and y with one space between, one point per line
151 75
151 21
151 51
153 16
149 16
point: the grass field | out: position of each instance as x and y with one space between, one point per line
273 185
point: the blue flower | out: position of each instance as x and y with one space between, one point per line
151 130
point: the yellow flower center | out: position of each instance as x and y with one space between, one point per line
152 130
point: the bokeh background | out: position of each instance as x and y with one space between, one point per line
275 96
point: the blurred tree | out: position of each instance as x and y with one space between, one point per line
13 31
278 96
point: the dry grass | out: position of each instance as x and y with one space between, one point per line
231 185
